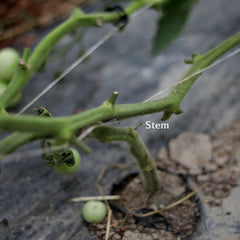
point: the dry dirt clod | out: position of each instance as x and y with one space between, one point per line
162 154
210 167
221 161
203 178
191 150
117 236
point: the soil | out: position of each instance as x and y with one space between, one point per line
175 223
220 171
18 17
216 164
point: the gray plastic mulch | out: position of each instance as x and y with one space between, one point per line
34 198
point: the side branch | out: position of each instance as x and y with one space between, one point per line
41 52
170 104
199 62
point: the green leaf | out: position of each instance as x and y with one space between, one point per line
171 23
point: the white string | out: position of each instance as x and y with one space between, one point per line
221 60
92 49
69 69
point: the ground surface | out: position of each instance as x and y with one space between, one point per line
221 171
34 199
176 223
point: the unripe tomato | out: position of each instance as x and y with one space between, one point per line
8 63
94 211
64 168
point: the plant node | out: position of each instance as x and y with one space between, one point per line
23 65
123 17
112 99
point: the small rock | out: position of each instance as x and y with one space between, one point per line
212 201
208 199
153 206
161 206
217 143
221 161
220 176
131 221
140 228
228 148
191 150
211 167
162 154
117 236
208 189
146 237
217 202
132 226
155 236
111 233
202 178
219 194
179 191
195 171
129 235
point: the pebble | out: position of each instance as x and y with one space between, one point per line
140 228
217 144
179 191
128 235
219 194
162 154
132 226
202 178
221 160
195 171
155 236
153 206
191 150
211 167
131 221
117 236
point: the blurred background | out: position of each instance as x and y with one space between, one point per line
18 17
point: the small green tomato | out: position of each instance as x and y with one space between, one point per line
94 211
8 63
65 168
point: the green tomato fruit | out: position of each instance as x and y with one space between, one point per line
15 100
94 211
8 63
63 168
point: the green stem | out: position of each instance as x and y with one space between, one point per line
52 126
169 104
16 140
146 164
200 62
40 54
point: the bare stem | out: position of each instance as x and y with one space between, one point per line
146 164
